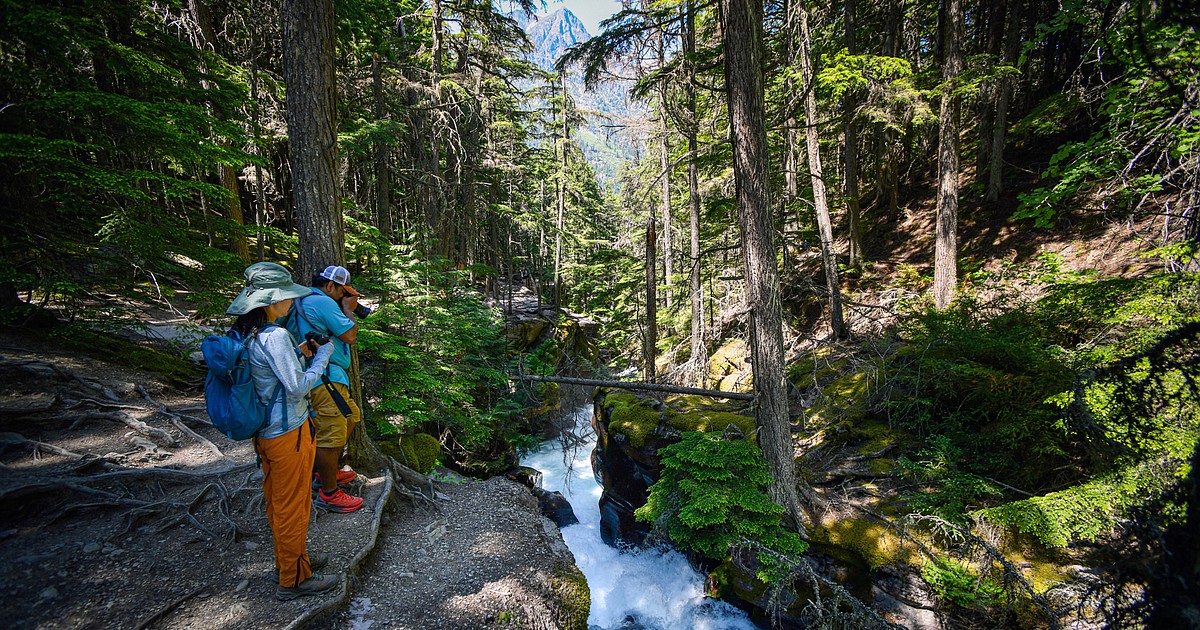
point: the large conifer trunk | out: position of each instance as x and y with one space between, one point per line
743 35
945 264
308 73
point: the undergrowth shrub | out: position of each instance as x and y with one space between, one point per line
1012 396
711 493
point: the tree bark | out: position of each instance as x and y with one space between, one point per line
651 338
664 147
945 263
383 188
853 208
699 356
820 200
562 198
225 173
742 33
1012 46
308 74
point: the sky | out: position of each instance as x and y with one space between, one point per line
590 12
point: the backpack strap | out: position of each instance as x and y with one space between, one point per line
299 304
277 396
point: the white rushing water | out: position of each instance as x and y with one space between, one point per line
633 589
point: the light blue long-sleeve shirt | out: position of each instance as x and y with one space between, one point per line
273 363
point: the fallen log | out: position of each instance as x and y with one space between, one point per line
651 387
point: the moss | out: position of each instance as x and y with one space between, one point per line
728 360
874 541
632 417
707 420
881 466
574 597
814 367
419 451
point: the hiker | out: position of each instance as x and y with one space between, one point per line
285 445
329 309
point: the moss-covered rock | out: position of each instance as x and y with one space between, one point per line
422 450
728 368
708 420
631 417
876 542
574 596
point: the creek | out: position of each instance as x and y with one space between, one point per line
633 588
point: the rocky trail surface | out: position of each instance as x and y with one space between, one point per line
124 508
482 556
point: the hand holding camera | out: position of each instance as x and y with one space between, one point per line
359 310
313 340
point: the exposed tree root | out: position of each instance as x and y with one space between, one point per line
16 439
165 610
177 421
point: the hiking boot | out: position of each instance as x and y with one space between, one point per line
314 585
316 561
339 501
344 476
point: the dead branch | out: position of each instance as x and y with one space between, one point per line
652 387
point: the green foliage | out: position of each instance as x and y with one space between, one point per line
711 493
1082 512
1143 135
984 383
954 583
435 355
996 395
112 127
953 491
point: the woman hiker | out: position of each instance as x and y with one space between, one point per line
285 445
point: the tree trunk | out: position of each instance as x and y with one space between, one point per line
989 92
665 162
308 74
743 39
889 158
383 188
1012 46
226 174
664 146
853 209
651 339
945 263
260 193
820 201
699 356
562 198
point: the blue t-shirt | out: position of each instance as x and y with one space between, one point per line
328 319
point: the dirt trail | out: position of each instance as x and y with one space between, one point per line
480 557
124 508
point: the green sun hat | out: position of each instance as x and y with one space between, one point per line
266 284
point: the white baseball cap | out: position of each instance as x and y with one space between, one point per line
339 275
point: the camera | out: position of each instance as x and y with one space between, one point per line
361 311
315 339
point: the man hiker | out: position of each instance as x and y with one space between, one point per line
329 311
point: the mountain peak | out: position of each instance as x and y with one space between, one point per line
553 34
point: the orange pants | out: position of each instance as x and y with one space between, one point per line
287 463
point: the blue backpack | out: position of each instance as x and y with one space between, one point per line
233 406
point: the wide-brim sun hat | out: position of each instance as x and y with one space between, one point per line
266 284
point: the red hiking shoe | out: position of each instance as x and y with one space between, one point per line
337 502
344 475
